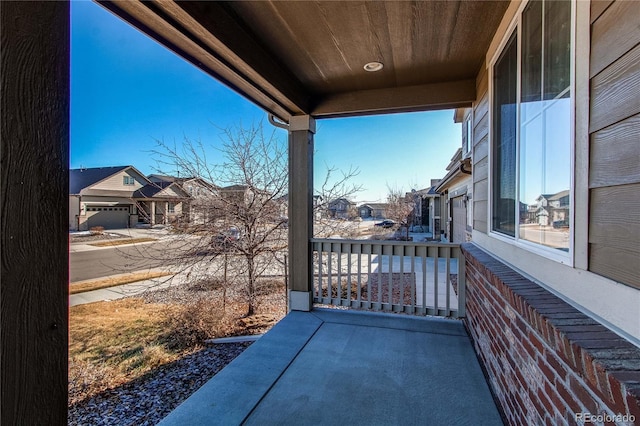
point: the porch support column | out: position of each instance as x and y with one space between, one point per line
301 131
153 213
166 213
34 130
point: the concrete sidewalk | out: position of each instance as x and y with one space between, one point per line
424 279
126 290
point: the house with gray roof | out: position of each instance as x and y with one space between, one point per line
341 208
200 209
120 197
373 210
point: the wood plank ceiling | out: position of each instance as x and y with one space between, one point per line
307 57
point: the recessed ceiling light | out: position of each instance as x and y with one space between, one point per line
373 66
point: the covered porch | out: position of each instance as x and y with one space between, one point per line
332 366
392 349
549 361
160 203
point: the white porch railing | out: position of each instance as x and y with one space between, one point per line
392 276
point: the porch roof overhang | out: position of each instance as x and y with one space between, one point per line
268 52
157 191
161 199
106 193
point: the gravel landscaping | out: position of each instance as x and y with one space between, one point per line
401 287
148 400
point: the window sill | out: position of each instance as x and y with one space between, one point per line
556 255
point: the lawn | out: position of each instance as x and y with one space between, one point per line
112 343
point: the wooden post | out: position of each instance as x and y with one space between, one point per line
35 205
301 131
153 214
166 213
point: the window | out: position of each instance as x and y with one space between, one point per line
128 180
468 134
504 140
532 130
171 207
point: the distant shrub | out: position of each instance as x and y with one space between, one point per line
97 230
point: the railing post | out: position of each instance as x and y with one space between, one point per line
301 131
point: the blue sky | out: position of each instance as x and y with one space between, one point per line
127 92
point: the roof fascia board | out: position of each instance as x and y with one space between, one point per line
163 22
458 115
455 160
449 179
123 169
228 37
203 183
436 96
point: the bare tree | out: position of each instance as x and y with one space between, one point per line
242 215
241 228
336 184
399 207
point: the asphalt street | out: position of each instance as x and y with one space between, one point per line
84 265
89 263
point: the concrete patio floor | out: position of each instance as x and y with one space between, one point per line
345 367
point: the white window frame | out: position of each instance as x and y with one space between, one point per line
468 120
128 180
559 256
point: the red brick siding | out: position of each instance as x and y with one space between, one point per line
546 361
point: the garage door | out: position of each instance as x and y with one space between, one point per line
459 220
108 217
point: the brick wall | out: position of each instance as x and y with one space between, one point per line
547 362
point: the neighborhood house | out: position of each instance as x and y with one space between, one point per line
121 197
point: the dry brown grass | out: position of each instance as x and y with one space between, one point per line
122 242
82 286
108 344
111 343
